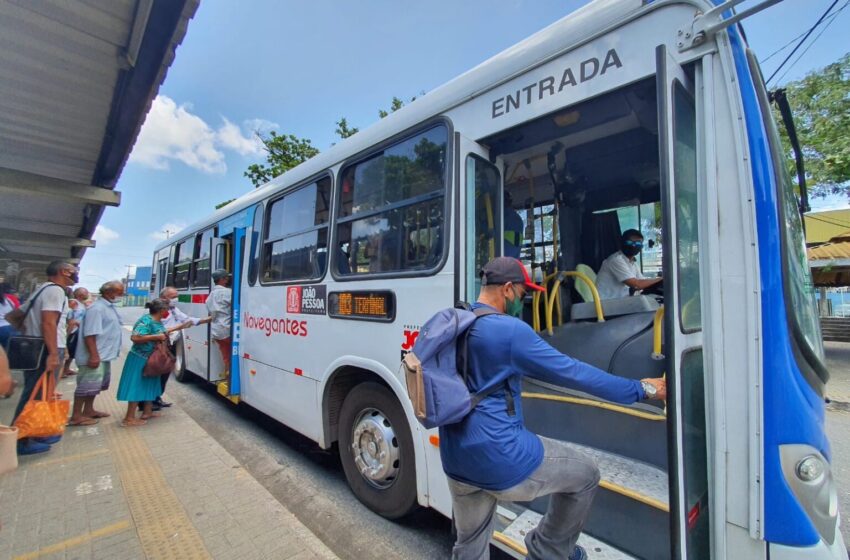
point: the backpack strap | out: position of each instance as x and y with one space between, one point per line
32 301
463 360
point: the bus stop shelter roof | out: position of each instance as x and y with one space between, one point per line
77 78
830 262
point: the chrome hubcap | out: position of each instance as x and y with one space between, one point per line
375 448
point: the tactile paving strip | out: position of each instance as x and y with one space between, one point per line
164 529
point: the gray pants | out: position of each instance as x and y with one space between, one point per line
568 475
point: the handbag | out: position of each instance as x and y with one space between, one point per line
46 417
25 352
8 449
160 362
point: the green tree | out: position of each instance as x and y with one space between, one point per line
820 103
223 204
395 106
283 152
343 130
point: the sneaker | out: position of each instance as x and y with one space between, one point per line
578 553
29 447
161 403
48 440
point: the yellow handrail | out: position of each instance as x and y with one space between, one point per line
597 301
535 303
656 334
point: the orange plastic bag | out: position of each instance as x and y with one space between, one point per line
46 417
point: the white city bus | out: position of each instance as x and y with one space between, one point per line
624 114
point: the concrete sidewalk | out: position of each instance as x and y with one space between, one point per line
164 490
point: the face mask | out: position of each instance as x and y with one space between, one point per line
513 307
632 248
75 277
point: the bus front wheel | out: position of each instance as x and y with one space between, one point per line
376 449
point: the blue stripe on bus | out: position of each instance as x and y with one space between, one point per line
793 412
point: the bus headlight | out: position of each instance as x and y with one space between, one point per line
810 478
810 468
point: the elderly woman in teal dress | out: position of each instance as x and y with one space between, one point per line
134 387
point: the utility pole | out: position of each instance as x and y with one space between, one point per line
127 283
167 233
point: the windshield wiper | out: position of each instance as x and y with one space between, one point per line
778 96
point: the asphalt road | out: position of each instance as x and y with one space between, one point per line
310 481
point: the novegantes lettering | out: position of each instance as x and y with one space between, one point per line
550 85
274 325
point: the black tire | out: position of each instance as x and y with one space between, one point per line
181 374
371 404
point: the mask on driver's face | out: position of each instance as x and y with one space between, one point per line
632 247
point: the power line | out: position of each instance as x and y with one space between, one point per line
803 40
815 40
788 44
830 221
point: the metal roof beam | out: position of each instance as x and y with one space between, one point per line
37 260
37 257
16 237
12 180
38 226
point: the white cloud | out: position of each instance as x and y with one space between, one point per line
261 126
104 235
173 132
167 230
230 136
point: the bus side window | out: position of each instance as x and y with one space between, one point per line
254 262
201 264
183 263
296 237
391 208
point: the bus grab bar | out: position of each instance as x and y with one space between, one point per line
597 301
656 334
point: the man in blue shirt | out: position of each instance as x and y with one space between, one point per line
491 456
98 347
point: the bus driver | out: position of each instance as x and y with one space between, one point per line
619 272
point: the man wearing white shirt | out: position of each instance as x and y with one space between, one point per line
46 316
219 304
619 272
176 319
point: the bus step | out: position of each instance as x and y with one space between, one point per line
511 528
640 481
638 432
631 509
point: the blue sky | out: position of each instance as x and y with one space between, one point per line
297 67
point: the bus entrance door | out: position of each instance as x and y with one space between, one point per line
221 252
681 115
482 208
